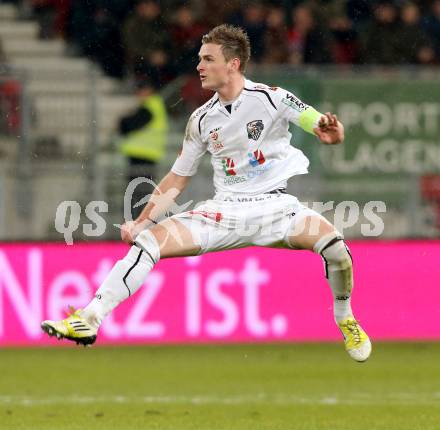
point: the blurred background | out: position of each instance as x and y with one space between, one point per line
81 81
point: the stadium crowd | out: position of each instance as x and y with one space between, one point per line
161 39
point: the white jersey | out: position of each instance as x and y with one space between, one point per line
250 147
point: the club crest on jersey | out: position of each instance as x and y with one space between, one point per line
256 158
254 129
228 166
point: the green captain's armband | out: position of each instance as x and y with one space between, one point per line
308 118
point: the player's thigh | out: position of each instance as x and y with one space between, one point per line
210 235
174 239
307 230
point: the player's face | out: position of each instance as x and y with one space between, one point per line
214 70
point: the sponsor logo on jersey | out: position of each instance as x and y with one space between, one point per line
254 129
256 158
217 146
203 109
258 170
231 180
213 136
214 130
228 166
293 102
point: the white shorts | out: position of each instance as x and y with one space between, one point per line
236 221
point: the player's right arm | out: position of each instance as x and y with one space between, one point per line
172 185
164 195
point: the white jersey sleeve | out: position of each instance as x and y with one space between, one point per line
193 149
296 111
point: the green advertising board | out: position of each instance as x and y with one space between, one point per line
392 134
392 128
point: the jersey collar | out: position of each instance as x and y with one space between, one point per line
237 102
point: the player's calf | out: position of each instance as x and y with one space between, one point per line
339 272
125 278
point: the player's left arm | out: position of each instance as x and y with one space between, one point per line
325 127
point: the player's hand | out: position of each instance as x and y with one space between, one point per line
329 131
129 232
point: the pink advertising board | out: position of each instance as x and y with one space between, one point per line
248 295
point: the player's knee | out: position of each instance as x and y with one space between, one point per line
338 256
148 244
334 251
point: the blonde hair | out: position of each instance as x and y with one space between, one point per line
234 42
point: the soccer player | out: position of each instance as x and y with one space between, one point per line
244 127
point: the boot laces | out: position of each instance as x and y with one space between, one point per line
353 328
72 311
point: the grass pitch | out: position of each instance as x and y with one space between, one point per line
298 387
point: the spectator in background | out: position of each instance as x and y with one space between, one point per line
51 16
10 100
224 11
359 13
82 27
186 34
144 133
162 43
94 28
308 41
431 25
108 43
252 19
381 39
345 45
416 48
276 50
147 44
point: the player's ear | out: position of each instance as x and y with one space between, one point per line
235 64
